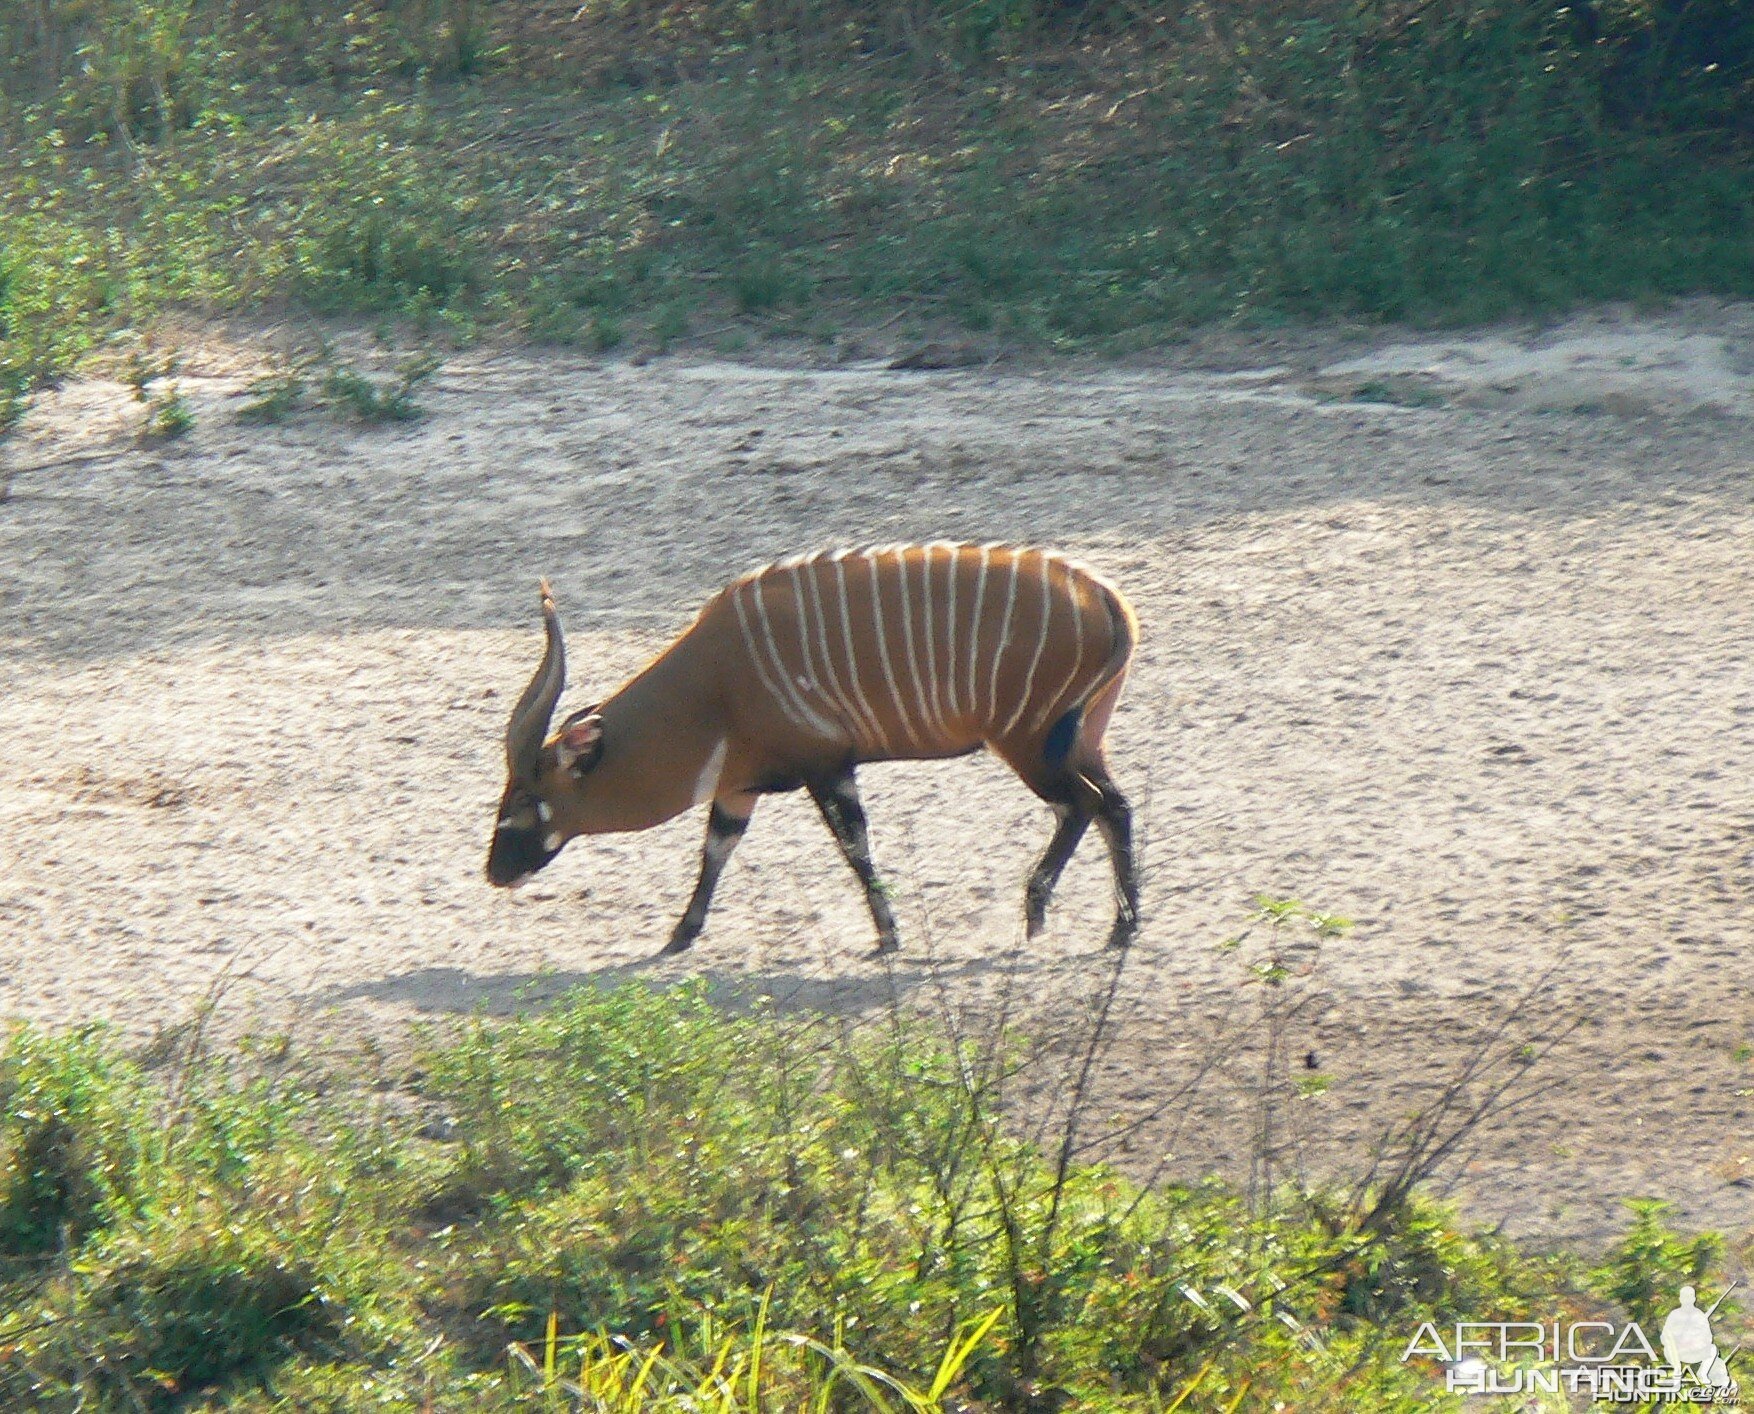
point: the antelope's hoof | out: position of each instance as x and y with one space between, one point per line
886 946
680 942
1122 934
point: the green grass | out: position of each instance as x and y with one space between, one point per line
369 400
754 1211
1098 182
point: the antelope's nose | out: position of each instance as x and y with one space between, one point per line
517 852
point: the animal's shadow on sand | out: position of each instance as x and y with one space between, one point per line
872 988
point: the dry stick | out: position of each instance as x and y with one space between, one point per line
1097 1037
1104 1021
1103 1009
1213 1059
983 1127
1371 1229
1080 1092
1279 1016
892 1013
1412 1173
851 1058
979 1077
1423 1148
1296 1134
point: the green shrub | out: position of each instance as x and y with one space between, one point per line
1648 1265
273 398
378 254
645 1167
68 1140
200 1300
371 400
1068 174
168 417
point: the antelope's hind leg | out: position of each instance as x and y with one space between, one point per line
1079 797
724 828
837 797
1114 817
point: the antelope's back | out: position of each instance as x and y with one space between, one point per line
917 651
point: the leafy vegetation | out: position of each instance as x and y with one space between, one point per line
637 1201
368 400
1093 172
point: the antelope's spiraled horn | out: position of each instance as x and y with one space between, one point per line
529 724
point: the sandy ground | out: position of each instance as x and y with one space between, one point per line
1468 666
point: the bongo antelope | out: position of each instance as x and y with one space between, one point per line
802 671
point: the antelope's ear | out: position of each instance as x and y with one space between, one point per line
580 744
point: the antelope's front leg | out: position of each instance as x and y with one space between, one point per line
724 827
837 797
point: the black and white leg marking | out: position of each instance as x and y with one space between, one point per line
1074 820
723 830
1114 817
837 797
1078 799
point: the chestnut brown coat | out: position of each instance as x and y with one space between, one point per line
801 671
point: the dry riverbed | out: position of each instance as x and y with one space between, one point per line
1448 637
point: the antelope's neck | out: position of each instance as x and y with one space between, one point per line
665 747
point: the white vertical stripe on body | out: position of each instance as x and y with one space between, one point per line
878 735
1041 641
950 664
814 719
933 696
883 648
835 690
811 680
781 699
913 664
974 623
1048 704
1004 641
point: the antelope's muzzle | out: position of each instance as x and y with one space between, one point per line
519 848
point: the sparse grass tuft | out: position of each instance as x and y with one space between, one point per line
273 398
168 416
373 400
